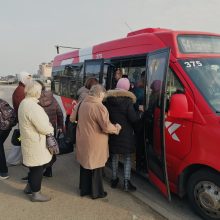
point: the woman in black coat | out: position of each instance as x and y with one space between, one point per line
120 104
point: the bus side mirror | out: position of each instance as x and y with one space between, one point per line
179 107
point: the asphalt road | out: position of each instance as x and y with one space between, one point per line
145 203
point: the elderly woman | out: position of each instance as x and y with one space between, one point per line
92 141
34 126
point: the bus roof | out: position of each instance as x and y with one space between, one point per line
139 42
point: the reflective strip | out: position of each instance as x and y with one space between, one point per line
167 124
68 61
173 128
85 54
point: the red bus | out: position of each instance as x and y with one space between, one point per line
181 139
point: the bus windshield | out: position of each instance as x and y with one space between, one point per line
205 73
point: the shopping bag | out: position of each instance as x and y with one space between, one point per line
15 156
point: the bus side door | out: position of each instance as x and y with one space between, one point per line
156 76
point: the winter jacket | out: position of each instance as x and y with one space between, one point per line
52 108
34 126
18 96
92 133
120 105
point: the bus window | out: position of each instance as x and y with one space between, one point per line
80 78
132 68
173 84
65 86
57 87
107 75
55 83
73 89
67 81
93 68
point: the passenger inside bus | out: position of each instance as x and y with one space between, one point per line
117 75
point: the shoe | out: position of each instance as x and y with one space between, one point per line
85 194
114 183
128 186
101 196
38 197
27 189
4 176
25 178
48 172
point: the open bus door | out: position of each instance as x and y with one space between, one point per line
156 76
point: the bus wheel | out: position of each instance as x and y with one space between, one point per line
203 191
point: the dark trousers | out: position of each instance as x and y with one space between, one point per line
35 176
49 167
3 136
91 182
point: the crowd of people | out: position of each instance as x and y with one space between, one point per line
105 128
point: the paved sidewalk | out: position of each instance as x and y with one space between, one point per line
66 202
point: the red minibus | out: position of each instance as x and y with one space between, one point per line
177 74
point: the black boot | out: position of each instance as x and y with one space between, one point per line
100 196
48 172
114 182
24 178
128 186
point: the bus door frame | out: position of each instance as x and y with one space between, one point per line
161 183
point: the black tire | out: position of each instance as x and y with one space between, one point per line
203 190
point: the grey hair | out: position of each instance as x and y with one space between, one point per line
33 89
96 90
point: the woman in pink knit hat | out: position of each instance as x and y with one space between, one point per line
120 104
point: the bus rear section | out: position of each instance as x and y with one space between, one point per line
175 76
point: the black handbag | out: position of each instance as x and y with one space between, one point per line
71 129
15 139
65 147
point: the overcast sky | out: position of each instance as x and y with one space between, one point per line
29 29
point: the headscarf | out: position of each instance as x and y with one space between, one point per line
24 77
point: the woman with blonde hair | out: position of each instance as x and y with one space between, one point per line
34 126
92 141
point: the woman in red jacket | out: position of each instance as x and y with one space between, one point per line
18 94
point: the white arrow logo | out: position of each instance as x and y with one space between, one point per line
172 128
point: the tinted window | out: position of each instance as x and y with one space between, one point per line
93 68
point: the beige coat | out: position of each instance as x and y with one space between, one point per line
34 125
92 133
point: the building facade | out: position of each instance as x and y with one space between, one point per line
45 69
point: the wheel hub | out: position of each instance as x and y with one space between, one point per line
207 196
